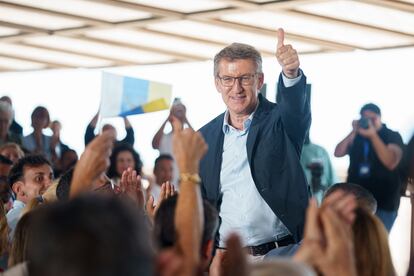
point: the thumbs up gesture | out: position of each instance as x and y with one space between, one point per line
287 56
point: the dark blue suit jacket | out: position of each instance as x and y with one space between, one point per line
274 145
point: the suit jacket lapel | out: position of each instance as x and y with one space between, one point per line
216 157
260 113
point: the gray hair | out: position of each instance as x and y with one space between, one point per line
238 51
6 107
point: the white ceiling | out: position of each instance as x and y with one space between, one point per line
44 34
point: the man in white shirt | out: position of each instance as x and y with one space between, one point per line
29 177
163 172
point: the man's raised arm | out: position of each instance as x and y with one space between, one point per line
294 103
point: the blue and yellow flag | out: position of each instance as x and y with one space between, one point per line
123 96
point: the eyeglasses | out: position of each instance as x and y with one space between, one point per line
245 80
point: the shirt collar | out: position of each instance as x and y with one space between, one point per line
17 204
246 124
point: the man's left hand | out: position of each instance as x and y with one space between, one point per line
287 56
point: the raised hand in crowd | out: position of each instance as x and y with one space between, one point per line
327 244
235 259
167 191
131 186
232 261
173 121
93 163
50 194
344 204
178 112
169 263
189 147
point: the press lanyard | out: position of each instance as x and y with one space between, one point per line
366 150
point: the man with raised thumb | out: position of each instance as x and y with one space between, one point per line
252 172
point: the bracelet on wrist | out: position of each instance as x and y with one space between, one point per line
190 177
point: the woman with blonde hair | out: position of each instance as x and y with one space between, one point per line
372 253
19 247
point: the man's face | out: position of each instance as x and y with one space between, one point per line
240 99
373 117
55 127
35 182
163 171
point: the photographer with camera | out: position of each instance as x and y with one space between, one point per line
375 152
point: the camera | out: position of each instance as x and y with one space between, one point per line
363 123
316 169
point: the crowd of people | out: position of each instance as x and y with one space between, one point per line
233 198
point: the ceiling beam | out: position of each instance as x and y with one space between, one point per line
7 69
254 29
194 39
290 4
73 31
351 24
140 7
115 61
184 37
47 63
205 16
24 28
214 13
397 5
174 54
12 70
242 4
391 47
51 12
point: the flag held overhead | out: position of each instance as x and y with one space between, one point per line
124 96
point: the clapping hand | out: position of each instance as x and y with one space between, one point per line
327 243
131 186
167 191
